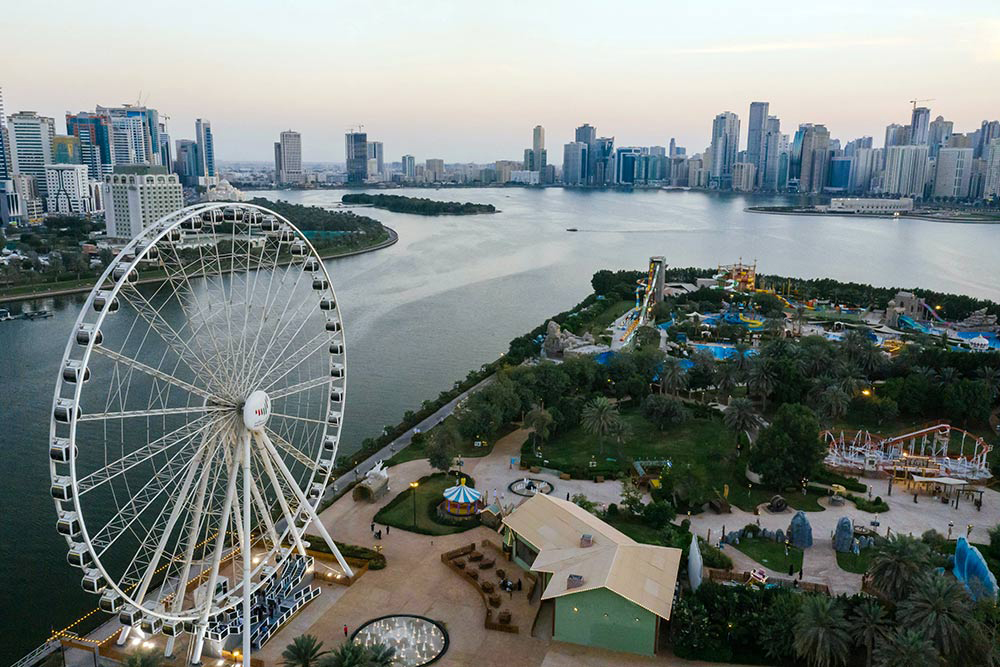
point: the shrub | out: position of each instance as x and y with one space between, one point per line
659 513
376 561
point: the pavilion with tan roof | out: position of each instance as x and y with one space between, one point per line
607 590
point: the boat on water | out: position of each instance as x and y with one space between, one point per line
5 315
36 315
572 229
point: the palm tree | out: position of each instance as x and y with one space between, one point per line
672 377
762 378
897 564
869 623
599 417
741 357
304 651
739 416
800 317
939 608
906 648
539 420
144 659
821 632
947 376
991 376
350 654
834 402
726 376
620 431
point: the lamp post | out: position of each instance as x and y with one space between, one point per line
413 492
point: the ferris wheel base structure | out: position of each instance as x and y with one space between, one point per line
195 428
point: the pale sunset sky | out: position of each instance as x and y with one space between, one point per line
467 81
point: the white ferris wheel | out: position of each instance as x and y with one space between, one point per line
196 420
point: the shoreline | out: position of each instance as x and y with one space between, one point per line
888 216
67 291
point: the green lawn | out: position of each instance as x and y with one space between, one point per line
856 564
400 512
636 529
771 554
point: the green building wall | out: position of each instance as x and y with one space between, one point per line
605 619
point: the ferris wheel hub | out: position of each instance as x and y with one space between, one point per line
256 410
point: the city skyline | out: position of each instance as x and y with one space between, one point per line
436 96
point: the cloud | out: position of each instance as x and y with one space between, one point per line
820 44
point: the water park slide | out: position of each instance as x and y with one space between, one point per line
934 313
750 322
910 323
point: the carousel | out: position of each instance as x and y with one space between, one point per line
462 500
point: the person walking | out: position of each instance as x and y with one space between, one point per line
373 526
386 529
345 630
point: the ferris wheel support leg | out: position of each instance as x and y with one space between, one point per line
247 592
306 505
289 517
123 635
220 543
262 509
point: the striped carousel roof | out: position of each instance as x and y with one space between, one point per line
462 494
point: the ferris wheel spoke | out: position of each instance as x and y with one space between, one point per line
279 491
295 359
130 511
158 412
279 335
165 442
300 387
297 418
292 450
158 374
264 512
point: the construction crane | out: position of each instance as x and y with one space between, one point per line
914 102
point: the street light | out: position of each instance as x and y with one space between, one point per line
413 492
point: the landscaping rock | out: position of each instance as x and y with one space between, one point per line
843 537
800 532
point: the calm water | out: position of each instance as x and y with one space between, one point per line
447 298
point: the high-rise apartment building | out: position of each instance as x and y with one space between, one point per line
919 122
206 149
30 137
434 170
68 189
375 153
186 163
723 150
989 131
66 150
575 157
536 158
991 180
896 135
94 132
905 171
757 125
4 150
938 133
952 172
744 176
356 152
137 196
587 134
135 134
288 159
409 168
815 156
863 168
602 160
626 163
770 159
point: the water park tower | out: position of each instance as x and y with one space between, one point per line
738 277
657 266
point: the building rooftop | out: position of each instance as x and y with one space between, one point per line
641 573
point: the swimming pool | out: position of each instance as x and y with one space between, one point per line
720 351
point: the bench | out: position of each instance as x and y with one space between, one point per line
487 563
475 556
494 601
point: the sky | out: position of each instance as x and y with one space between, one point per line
467 81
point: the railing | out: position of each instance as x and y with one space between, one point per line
35 656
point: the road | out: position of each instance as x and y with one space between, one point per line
358 472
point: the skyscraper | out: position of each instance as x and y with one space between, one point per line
137 196
94 132
575 156
587 134
186 163
535 158
288 159
135 134
896 135
938 134
434 170
757 139
989 131
918 125
68 188
770 159
863 164
815 155
409 164
375 153
30 137
905 171
356 152
626 164
723 150
206 148
602 157
4 151
952 172
991 185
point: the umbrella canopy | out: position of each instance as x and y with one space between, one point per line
462 494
